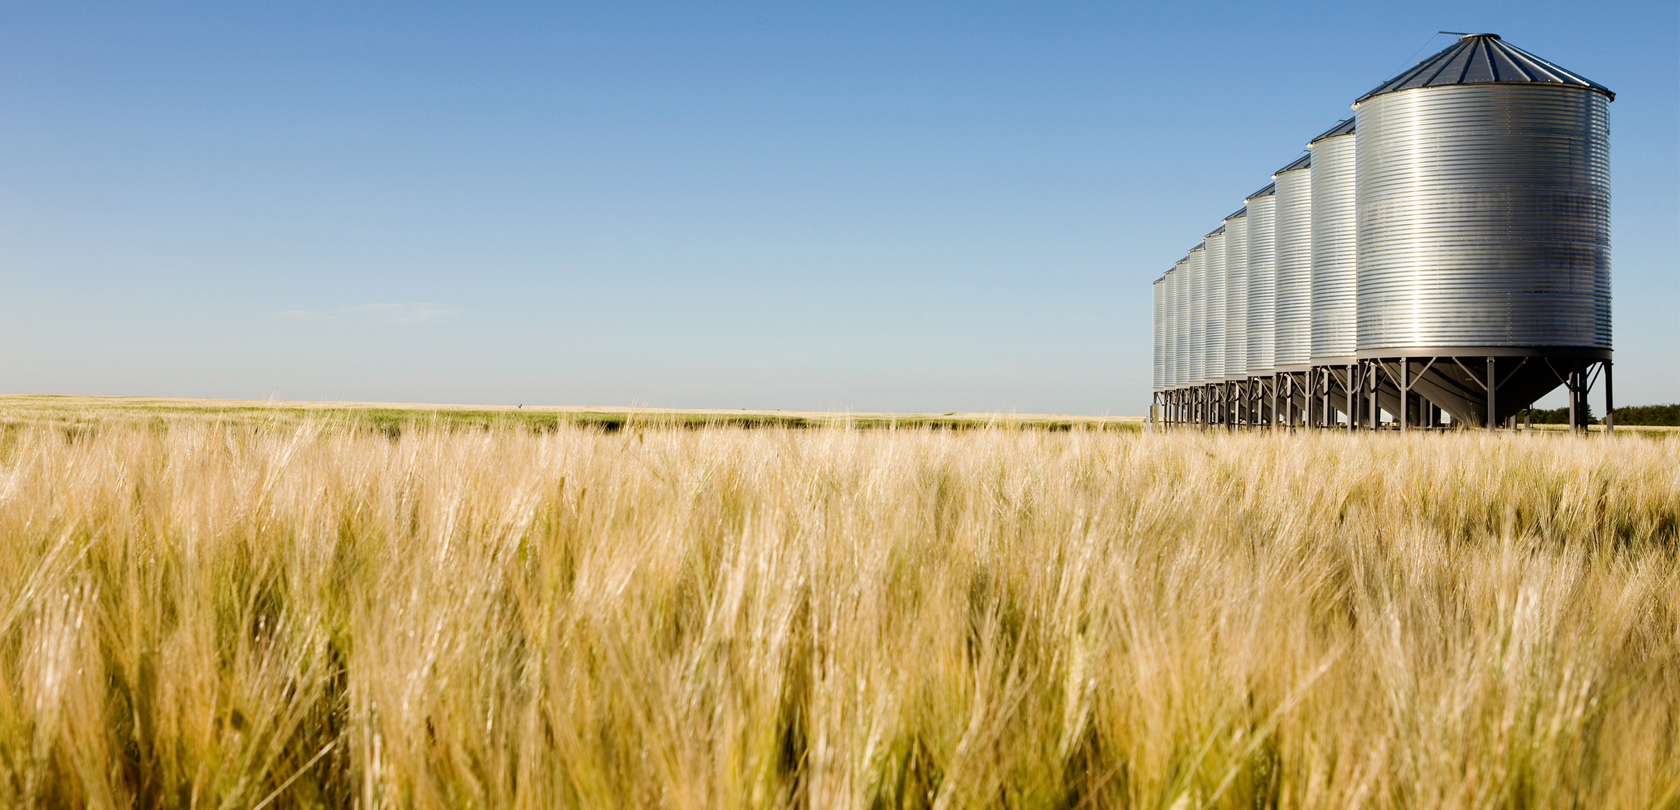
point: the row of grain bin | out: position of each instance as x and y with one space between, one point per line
1442 256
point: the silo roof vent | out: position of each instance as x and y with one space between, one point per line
1484 59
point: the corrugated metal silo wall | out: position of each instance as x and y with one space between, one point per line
1159 364
1170 338
1198 317
1261 284
1214 256
1236 297
1292 261
1334 249
1181 322
1484 218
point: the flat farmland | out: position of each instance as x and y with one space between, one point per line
203 606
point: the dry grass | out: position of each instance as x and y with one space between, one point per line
248 614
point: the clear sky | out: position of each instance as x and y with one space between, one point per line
891 206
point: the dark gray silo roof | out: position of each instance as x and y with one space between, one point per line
1240 212
1344 128
1484 59
1302 162
1215 232
1269 190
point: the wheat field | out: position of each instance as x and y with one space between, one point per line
216 614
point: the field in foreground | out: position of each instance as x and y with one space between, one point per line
304 613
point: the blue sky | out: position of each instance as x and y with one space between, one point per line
894 206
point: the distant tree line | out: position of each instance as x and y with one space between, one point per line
1636 415
1649 415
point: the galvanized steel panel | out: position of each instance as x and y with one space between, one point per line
1261 282
1159 364
1484 217
1213 255
1334 246
1175 336
1292 263
1236 295
1181 322
1197 367
1169 337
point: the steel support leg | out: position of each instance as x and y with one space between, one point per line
1352 399
1493 386
1309 413
1405 392
1376 414
1322 388
1574 395
1274 393
1609 402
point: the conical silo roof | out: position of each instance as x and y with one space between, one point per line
1270 189
1344 128
1484 59
1302 162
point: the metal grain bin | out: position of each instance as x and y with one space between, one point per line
1236 295
1292 265
1483 197
1168 339
1213 255
1179 296
1159 364
1261 281
1197 366
1169 343
1334 246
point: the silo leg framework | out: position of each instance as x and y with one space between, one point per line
1440 259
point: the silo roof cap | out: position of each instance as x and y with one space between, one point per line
1269 190
1219 231
1484 59
1240 212
1344 128
1199 246
1302 162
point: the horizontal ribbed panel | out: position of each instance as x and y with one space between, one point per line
1179 296
1168 339
1484 217
1213 258
1334 274
1292 263
1197 370
1261 283
1236 297
1157 379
